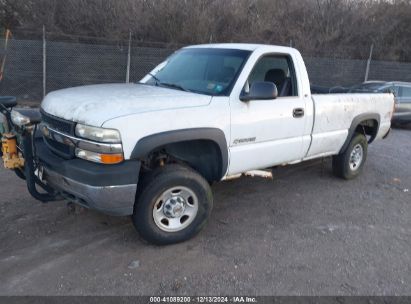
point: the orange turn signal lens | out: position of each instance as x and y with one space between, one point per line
100 158
111 158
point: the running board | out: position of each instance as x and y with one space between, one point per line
252 173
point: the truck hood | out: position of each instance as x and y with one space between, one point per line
95 104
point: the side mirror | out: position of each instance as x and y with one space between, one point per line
260 90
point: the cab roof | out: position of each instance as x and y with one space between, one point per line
244 46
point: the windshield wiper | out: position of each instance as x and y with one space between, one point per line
174 86
166 84
155 78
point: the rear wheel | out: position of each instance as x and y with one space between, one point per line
173 205
349 163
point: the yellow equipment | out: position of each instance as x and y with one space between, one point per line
12 158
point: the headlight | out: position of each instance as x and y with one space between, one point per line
98 134
19 119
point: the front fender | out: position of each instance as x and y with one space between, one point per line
149 143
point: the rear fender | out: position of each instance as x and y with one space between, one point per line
357 122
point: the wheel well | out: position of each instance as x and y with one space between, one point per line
369 128
204 156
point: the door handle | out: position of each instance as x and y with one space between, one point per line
298 112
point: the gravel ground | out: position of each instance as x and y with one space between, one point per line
303 233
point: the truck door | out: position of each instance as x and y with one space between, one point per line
266 133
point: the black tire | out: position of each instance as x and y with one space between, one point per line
20 173
153 185
341 162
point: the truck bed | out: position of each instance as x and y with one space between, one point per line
335 113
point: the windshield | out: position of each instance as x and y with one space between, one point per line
200 70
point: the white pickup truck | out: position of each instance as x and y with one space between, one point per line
208 112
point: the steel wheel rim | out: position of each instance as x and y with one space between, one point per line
175 209
356 157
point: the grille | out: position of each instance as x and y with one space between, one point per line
63 126
58 124
60 149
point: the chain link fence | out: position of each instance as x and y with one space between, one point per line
33 67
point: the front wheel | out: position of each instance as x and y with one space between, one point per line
173 205
348 164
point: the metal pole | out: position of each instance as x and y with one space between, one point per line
44 61
128 59
367 71
3 61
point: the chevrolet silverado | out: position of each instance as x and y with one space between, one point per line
208 112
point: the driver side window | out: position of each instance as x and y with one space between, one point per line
277 69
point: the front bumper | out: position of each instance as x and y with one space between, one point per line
108 188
